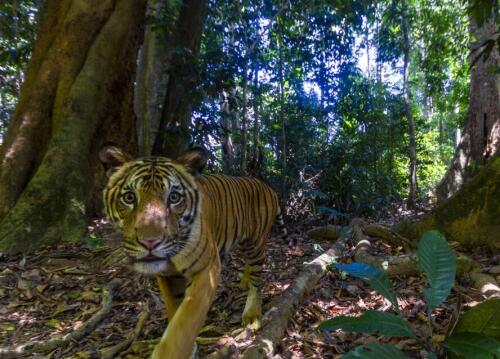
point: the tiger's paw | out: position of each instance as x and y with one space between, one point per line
252 313
158 354
253 323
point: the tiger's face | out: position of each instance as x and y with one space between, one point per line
155 202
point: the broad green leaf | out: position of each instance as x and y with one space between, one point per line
371 321
482 319
436 258
375 351
374 277
473 346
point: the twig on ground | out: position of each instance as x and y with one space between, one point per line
111 352
76 335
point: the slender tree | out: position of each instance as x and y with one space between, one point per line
412 146
227 139
281 87
244 121
173 133
256 161
152 76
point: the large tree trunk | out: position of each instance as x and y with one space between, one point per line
77 94
471 216
469 212
481 138
173 132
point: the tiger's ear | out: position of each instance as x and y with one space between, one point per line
194 160
113 158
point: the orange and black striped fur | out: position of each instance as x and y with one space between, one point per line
176 223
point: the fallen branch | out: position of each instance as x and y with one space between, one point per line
76 335
111 352
276 319
407 264
400 265
390 236
329 232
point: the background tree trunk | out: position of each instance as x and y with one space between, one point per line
173 133
79 84
412 146
283 194
227 138
255 164
151 81
244 123
481 138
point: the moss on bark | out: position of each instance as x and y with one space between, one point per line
54 203
470 217
66 35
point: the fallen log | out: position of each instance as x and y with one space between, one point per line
276 319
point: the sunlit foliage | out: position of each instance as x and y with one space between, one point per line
18 20
323 86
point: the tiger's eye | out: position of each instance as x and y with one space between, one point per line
129 197
174 197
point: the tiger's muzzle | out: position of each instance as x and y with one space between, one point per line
150 230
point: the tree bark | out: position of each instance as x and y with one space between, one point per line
255 165
151 82
480 140
77 94
244 123
412 146
282 116
227 140
173 132
470 217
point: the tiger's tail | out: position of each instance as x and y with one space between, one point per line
280 223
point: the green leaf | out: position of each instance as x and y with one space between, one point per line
473 346
436 258
374 277
375 351
371 321
482 319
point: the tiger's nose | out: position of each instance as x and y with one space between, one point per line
149 244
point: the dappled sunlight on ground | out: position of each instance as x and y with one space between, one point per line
55 290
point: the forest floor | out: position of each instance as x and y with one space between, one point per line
57 289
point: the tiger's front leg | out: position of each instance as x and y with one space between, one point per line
179 338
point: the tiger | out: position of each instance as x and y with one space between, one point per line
178 223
